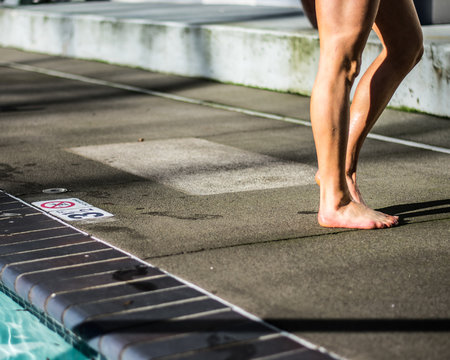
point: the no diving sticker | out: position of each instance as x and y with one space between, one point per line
72 209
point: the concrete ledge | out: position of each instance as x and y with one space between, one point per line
266 47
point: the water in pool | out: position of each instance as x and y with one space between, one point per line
24 337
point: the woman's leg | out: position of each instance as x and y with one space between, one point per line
343 30
398 28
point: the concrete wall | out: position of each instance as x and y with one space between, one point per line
441 11
284 3
277 60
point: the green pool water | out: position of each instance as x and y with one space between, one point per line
24 337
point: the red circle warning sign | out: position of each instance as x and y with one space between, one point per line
57 204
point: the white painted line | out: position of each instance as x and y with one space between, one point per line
408 143
200 167
210 104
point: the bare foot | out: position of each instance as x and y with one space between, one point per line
352 187
354 215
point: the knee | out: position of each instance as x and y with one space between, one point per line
342 55
418 53
351 66
414 54
406 55
348 53
417 48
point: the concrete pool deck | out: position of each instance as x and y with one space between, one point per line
358 294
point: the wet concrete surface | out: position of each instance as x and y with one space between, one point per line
360 294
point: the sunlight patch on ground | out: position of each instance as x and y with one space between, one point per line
200 167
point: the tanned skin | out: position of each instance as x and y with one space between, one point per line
340 128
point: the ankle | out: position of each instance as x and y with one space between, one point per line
334 199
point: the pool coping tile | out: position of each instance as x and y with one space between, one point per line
114 344
94 328
66 301
37 235
12 272
255 348
29 280
55 301
75 314
77 247
44 244
218 334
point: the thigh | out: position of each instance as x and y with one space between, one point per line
397 25
347 22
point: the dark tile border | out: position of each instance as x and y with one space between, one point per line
110 305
